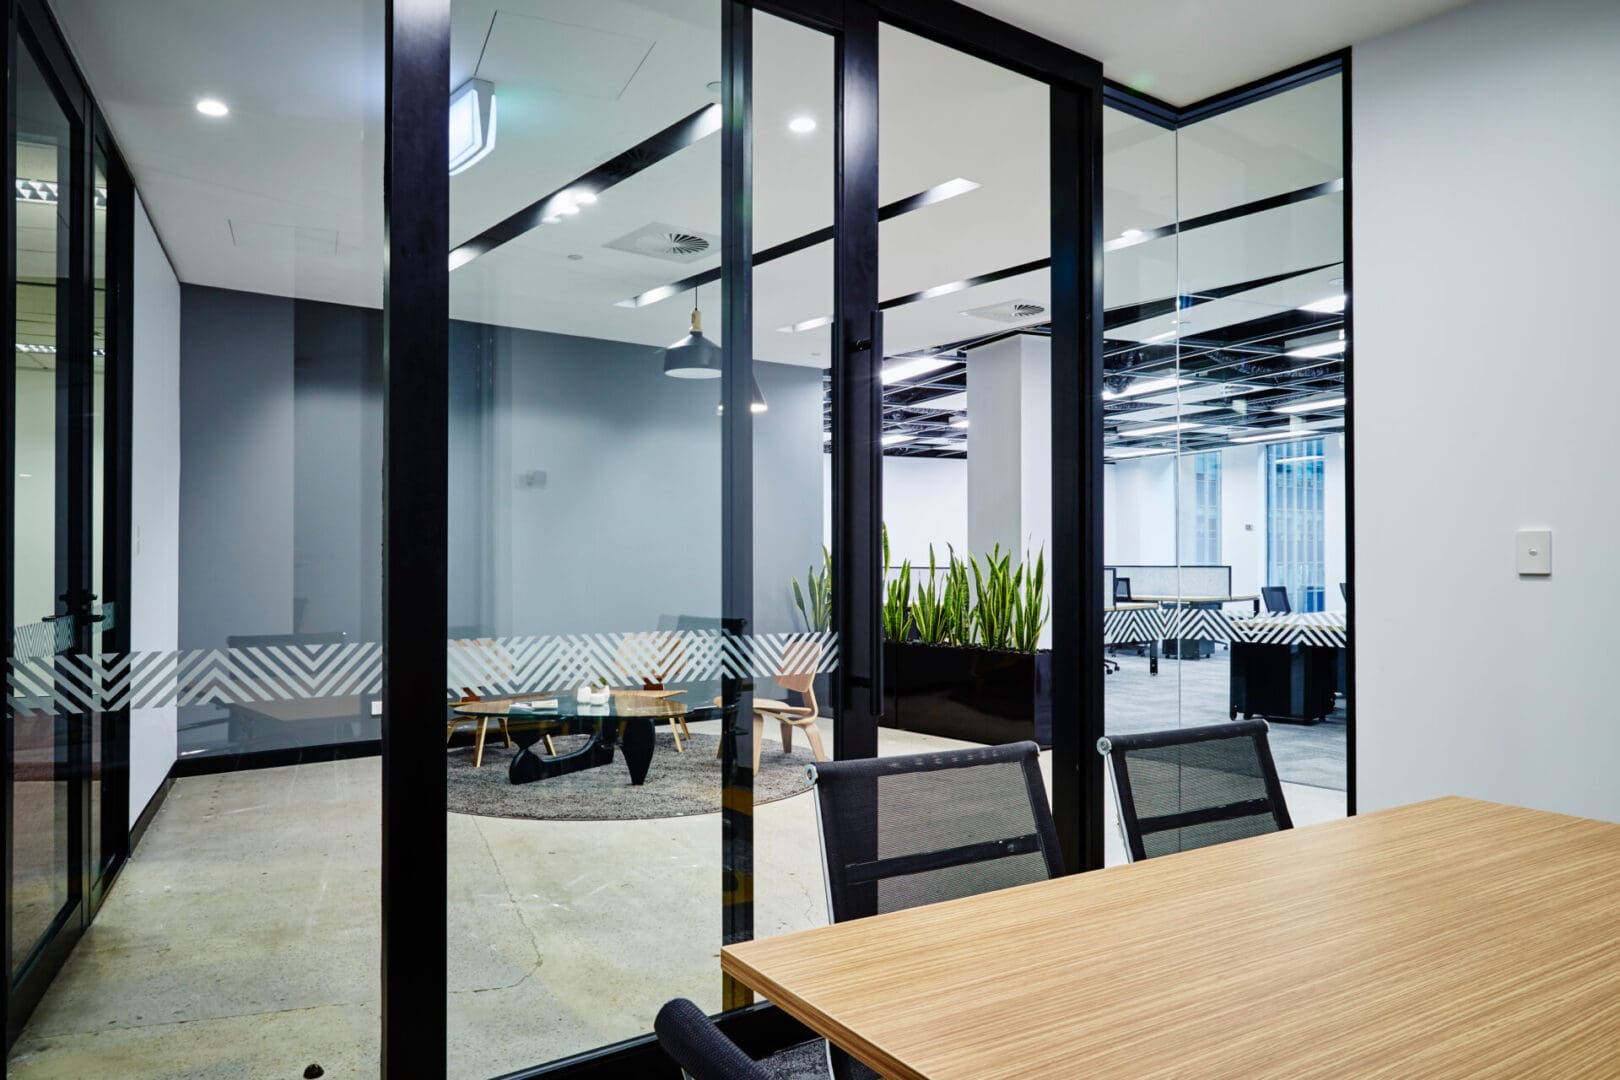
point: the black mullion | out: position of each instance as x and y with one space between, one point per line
416 330
8 483
1349 448
857 387
737 480
1077 474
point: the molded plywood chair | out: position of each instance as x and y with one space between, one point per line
654 657
799 664
496 667
1192 787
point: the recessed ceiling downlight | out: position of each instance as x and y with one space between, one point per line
212 107
802 125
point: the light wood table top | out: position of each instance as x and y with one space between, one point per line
1450 938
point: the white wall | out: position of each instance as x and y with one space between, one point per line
924 502
154 498
1485 171
1143 510
1243 517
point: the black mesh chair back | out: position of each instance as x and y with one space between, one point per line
1193 787
1122 590
699 1048
899 832
1276 598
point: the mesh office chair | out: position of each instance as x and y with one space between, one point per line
900 832
1192 787
1276 598
699 1048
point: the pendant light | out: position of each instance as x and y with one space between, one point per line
694 356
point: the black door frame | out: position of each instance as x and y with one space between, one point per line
30 24
416 315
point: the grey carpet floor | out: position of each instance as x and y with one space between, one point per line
676 785
1187 693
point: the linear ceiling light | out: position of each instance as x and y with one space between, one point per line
1159 429
1291 433
1145 386
1156 451
896 438
1319 405
791 328
910 369
1329 305
472 124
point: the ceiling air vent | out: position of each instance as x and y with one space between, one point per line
1009 311
661 241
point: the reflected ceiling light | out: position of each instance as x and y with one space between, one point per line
826 436
567 209
1272 436
551 219
960 422
896 438
1319 405
802 125
472 124
1130 234
693 356
1317 351
1328 305
807 324
1145 386
212 107
756 396
910 369
1159 429
582 197
1145 452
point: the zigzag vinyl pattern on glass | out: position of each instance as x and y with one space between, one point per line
73 683
1163 623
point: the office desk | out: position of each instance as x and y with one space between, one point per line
1286 667
1197 648
1134 623
1451 938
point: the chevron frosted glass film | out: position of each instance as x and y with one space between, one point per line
71 684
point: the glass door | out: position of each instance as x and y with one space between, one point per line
64 831
50 594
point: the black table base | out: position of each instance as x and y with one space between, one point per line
636 739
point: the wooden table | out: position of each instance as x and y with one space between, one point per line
1450 938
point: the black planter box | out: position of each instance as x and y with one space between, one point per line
965 692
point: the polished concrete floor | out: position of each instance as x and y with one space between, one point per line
242 939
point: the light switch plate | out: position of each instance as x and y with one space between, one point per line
1535 551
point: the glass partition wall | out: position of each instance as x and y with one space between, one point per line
679 379
1225 521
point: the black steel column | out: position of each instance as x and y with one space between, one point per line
857 393
1077 473
737 479
416 207
8 493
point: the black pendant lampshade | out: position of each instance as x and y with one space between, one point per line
694 356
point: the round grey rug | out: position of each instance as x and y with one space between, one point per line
677 784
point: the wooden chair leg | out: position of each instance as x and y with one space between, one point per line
449 732
814 734
551 748
759 738
787 737
675 732
506 733
478 742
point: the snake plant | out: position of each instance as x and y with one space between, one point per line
816 607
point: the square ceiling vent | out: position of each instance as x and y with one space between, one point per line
1009 311
660 241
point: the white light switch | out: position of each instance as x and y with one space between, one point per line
1535 551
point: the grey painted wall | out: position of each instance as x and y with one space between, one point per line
585 484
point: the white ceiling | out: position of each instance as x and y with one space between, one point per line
284 195
1182 51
